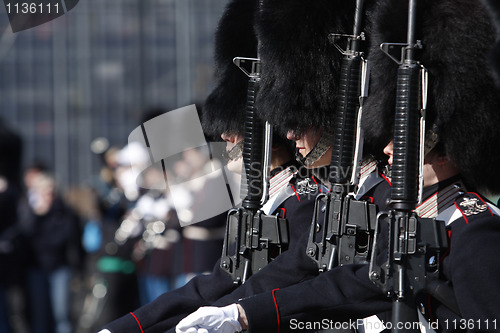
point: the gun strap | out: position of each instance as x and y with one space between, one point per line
235 152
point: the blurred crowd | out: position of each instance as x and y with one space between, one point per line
75 259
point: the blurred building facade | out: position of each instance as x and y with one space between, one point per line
93 71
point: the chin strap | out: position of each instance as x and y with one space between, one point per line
324 143
235 152
431 139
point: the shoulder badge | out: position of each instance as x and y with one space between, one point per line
471 204
305 186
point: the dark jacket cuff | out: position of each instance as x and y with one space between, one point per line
127 323
262 312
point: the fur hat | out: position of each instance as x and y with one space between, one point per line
300 66
494 10
224 107
462 99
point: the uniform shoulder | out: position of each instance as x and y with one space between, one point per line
472 206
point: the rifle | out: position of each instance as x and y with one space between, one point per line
256 237
348 224
415 244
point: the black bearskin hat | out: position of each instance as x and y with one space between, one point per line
463 101
299 65
224 107
494 10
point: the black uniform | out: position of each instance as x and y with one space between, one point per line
166 311
472 268
282 273
294 266
347 293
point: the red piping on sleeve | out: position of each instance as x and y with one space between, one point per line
277 310
138 323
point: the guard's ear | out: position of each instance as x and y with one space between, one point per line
442 160
438 159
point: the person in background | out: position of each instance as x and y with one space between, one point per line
109 267
157 252
223 116
53 238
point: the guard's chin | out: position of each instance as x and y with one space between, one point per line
235 165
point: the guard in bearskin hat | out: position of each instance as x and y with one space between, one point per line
223 110
291 193
235 36
302 88
462 120
460 100
300 69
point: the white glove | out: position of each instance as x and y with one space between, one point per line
209 319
